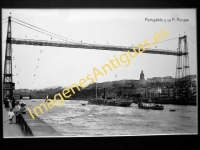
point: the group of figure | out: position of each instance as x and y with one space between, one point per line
14 108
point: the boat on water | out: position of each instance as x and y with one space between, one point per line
158 107
148 104
111 102
120 102
172 109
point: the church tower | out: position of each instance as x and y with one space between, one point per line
142 76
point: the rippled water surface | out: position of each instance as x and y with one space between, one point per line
75 119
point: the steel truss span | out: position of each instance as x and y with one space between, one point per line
91 46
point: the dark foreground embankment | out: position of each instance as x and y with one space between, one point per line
36 127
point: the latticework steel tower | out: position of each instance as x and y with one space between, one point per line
8 85
178 64
186 67
182 79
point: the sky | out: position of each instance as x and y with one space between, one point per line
62 66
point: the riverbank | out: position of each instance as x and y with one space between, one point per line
165 101
28 127
10 130
172 102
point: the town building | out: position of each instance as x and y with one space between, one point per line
160 79
156 79
168 79
149 80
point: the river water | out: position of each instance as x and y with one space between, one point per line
75 119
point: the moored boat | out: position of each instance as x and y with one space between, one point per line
172 109
157 107
123 102
103 100
148 104
111 102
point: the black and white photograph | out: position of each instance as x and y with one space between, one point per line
99 72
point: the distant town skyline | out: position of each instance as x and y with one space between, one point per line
167 79
37 67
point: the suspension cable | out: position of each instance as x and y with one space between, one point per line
167 40
5 18
162 41
191 46
191 40
46 31
62 36
38 31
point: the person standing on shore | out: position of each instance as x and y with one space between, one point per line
13 102
16 110
11 116
6 103
23 109
17 101
10 103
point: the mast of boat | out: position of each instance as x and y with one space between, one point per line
116 88
116 81
96 91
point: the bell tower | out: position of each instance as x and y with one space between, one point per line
142 76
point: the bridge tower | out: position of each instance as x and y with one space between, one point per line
182 66
182 78
186 67
178 63
8 84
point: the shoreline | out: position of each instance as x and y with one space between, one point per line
28 127
172 102
10 130
37 125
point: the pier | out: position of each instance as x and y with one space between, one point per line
27 127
